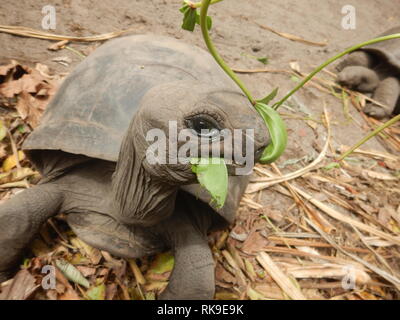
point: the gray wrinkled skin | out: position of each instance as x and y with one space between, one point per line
375 69
90 149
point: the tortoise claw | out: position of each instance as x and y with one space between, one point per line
375 111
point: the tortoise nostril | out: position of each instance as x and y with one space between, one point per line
341 80
258 153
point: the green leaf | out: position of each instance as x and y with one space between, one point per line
263 60
150 296
163 262
212 175
21 129
208 20
72 273
269 97
295 79
331 166
97 292
184 8
26 263
277 132
189 18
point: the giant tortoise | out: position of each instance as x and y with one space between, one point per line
375 69
91 152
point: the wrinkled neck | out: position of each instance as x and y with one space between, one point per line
140 198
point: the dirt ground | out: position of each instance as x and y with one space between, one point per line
238 35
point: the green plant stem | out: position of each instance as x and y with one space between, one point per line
80 54
369 136
326 63
195 5
203 24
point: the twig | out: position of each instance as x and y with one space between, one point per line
377 255
292 37
297 242
136 272
32 33
392 279
341 217
280 278
237 70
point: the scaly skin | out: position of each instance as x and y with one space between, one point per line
20 220
388 93
361 72
357 58
358 78
84 196
114 196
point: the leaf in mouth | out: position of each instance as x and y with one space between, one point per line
212 175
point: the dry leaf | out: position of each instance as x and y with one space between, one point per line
58 45
65 61
111 291
280 278
21 288
4 70
10 162
255 242
271 291
86 271
43 70
222 274
92 253
30 108
11 88
69 294
327 270
294 65
379 175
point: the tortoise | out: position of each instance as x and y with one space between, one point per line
375 69
90 149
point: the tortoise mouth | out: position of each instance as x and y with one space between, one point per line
239 168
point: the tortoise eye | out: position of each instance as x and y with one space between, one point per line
204 126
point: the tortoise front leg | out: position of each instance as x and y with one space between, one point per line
387 93
193 275
20 220
358 78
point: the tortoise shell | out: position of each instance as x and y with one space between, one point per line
387 51
96 102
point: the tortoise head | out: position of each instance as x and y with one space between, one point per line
176 122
